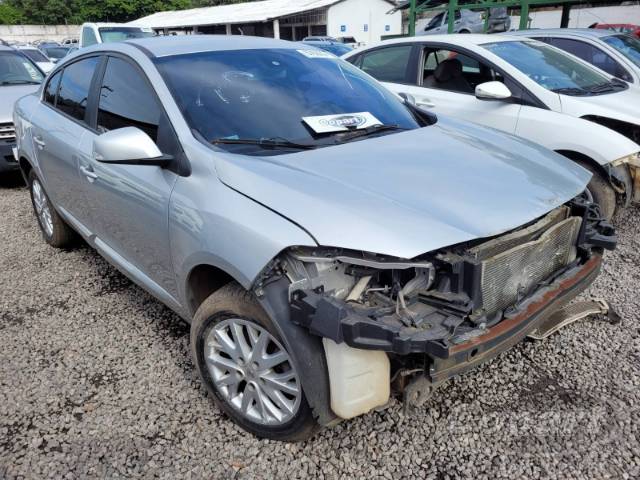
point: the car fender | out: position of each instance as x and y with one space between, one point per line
558 131
212 224
23 111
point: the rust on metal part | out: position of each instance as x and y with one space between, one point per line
509 323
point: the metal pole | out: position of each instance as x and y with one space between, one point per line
412 18
276 28
566 11
524 15
487 13
451 15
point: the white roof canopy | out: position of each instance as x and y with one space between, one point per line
252 12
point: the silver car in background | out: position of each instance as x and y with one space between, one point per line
616 53
19 76
323 238
467 21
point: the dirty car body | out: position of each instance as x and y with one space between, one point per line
363 237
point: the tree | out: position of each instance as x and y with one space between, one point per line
10 15
55 12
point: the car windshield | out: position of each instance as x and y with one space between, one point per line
551 68
119 34
269 94
56 52
35 55
16 69
338 49
626 45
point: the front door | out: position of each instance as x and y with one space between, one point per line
446 84
129 204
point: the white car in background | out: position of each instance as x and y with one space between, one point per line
95 33
37 57
527 88
616 53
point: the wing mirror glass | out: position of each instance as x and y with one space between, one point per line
128 146
492 91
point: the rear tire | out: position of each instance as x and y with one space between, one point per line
233 363
54 229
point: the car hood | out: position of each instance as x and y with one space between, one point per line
8 96
412 192
619 105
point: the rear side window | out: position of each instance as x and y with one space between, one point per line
127 100
52 89
88 37
74 87
593 55
388 64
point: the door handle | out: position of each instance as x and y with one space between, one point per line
89 173
39 142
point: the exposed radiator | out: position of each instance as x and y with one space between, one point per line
515 271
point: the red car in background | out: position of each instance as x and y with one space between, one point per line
627 28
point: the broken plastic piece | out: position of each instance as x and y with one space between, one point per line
570 314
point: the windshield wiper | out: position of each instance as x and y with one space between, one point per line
605 87
571 91
20 82
365 132
264 143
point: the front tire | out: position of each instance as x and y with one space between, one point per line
54 229
603 194
246 368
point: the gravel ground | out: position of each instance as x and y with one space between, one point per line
96 381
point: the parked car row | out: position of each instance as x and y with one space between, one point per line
333 241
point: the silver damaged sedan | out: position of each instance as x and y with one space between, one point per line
330 244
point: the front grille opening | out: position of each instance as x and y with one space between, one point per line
514 264
7 132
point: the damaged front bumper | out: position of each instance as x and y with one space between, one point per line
455 328
338 322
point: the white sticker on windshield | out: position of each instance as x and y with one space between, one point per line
341 122
317 54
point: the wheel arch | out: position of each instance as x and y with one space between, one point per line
203 280
584 161
25 167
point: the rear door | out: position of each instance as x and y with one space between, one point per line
60 125
128 205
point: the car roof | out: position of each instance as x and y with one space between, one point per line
578 32
183 44
460 39
4 48
109 24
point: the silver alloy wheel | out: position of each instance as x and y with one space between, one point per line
43 210
252 371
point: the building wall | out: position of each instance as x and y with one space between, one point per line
351 18
30 33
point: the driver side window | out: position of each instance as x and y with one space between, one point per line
454 71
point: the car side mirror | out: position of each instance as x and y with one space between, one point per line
492 91
407 98
128 146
